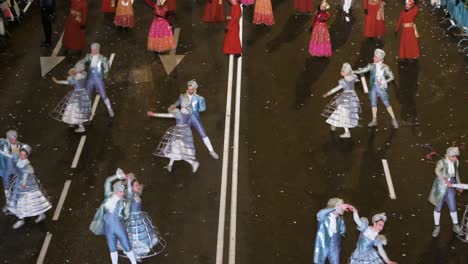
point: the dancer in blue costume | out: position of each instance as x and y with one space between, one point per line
27 198
75 108
111 215
144 237
343 111
9 145
369 238
197 104
446 172
331 227
177 142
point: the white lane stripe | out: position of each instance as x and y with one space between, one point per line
61 200
95 104
224 174
391 190
44 248
27 6
235 159
78 152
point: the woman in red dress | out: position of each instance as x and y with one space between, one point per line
374 24
232 44
74 36
108 6
409 48
214 11
303 6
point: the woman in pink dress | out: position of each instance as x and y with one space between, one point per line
263 13
160 36
320 44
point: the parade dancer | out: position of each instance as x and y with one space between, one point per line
447 172
177 143
144 237
97 68
10 146
263 13
320 44
160 37
110 216
331 227
214 11
124 16
374 23
380 76
75 108
47 18
346 7
74 36
343 111
27 198
232 44
197 104
369 238
409 48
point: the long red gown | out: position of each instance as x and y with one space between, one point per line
232 43
374 24
303 6
214 11
106 6
74 36
409 48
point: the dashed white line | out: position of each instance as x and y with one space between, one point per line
44 248
93 109
78 152
58 209
391 190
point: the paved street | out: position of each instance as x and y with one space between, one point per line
289 162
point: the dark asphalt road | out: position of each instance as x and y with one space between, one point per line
290 163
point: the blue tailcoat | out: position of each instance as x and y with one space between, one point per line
324 246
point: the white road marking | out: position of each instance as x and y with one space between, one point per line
44 248
27 6
93 109
235 159
391 190
364 84
78 152
58 209
224 173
